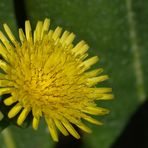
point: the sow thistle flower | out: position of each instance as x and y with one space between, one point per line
47 75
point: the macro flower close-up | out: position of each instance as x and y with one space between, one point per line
73 74
47 75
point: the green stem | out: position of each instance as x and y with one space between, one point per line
9 142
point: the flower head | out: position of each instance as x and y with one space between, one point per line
46 75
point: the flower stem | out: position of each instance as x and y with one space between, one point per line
9 142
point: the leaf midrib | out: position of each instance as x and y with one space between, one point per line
135 49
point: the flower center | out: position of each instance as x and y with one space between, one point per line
48 77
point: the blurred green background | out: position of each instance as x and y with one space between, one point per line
116 31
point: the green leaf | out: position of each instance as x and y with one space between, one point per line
119 38
141 28
7 14
24 137
117 32
21 138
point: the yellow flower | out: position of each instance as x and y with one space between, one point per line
47 75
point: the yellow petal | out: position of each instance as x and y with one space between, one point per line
102 90
22 35
95 80
106 97
35 123
69 39
10 34
64 36
95 110
52 129
92 120
9 101
14 111
78 46
5 90
50 33
4 66
94 73
3 76
45 28
56 34
85 128
28 31
70 128
83 49
5 41
38 31
61 127
23 116
91 61
6 83
3 52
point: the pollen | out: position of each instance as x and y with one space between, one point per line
48 76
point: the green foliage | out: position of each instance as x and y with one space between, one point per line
117 32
